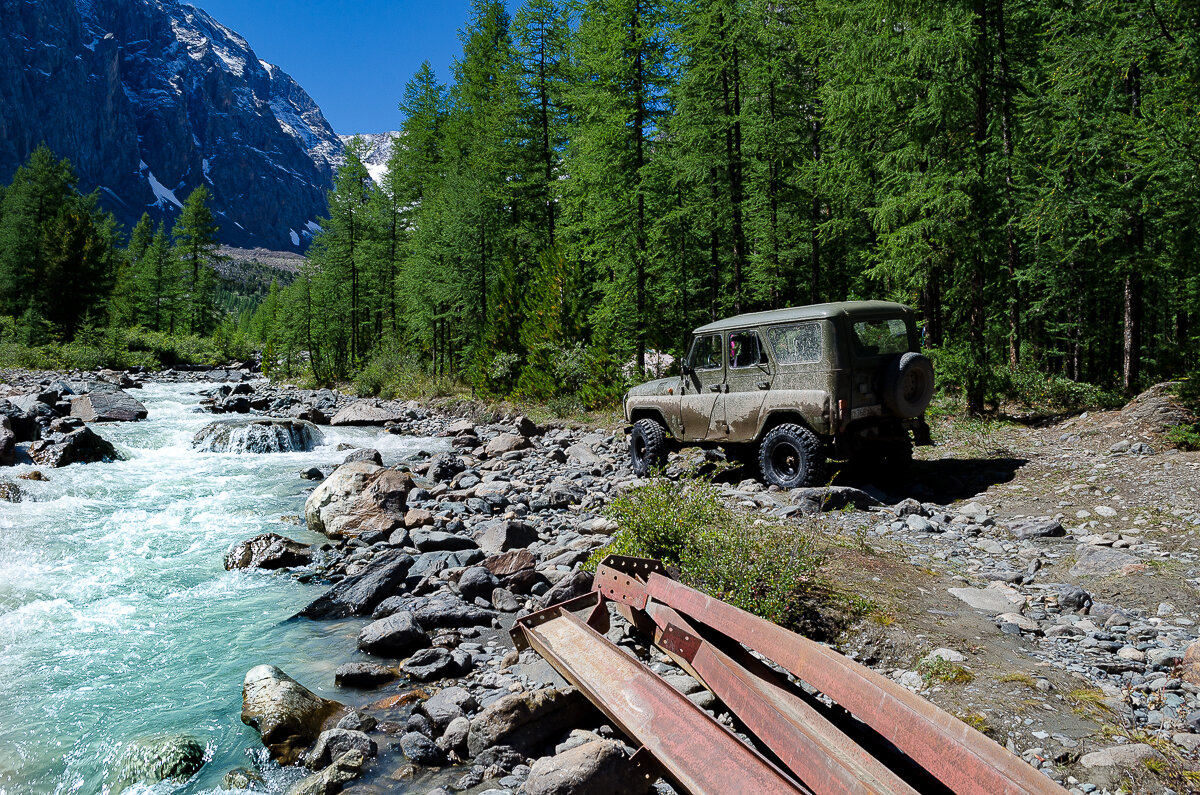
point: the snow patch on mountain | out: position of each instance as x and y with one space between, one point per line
378 151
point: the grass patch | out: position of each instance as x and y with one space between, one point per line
936 669
1019 677
976 721
766 568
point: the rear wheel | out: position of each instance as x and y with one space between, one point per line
792 456
647 447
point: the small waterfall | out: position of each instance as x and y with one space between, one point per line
257 436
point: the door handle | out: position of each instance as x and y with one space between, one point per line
714 387
764 384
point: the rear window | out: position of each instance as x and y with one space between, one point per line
796 344
878 337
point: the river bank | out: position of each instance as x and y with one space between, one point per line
1054 565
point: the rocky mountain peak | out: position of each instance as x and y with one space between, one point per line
151 98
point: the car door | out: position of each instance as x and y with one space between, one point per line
747 380
702 386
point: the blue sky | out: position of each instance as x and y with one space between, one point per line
352 56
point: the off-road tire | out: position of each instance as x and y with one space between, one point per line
791 456
647 447
908 385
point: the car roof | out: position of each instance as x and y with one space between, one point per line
797 313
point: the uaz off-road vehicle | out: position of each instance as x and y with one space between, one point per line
789 388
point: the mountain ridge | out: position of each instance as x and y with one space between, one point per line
149 99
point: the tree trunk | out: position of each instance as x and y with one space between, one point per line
1010 233
639 122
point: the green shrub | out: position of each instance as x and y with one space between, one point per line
393 371
1029 387
766 568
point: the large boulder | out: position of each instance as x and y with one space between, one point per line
506 443
361 593
446 705
288 715
502 536
172 758
526 721
81 446
599 767
109 405
397 635
368 412
268 551
358 499
256 436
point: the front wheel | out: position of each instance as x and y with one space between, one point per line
792 456
647 447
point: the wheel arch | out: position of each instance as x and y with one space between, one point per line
648 413
785 417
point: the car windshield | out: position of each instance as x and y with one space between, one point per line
878 337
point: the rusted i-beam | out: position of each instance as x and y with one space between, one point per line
961 758
695 752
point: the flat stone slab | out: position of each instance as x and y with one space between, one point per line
1105 562
1118 756
366 412
108 406
990 600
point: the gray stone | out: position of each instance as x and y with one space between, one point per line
268 551
367 412
506 443
368 454
358 595
527 720
344 769
455 736
363 674
429 664
421 750
332 743
108 406
918 523
584 455
989 600
1036 528
505 535
446 611
288 716
599 767
1105 562
816 499
446 705
174 758
577 583
358 495
395 636
477 582
8 442
1118 755
82 446
439 540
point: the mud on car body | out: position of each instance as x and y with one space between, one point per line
787 389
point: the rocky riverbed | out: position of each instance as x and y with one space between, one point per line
1039 580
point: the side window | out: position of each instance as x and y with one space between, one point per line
797 344
706 353
745 350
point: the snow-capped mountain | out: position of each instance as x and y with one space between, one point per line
148 99
378 150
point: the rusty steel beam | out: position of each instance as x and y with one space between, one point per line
697 754
816 751
961 758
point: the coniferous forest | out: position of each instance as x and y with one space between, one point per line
598 177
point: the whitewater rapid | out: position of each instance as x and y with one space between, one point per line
117 619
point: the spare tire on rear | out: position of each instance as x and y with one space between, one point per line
908 385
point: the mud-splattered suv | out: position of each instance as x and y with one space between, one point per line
789 388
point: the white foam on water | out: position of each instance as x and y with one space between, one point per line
117 618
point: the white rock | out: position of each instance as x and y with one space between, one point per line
1118 755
